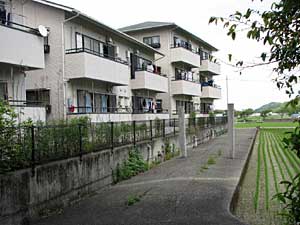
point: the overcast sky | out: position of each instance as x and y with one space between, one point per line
250 90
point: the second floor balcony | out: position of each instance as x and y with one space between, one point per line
210 67
21 46
211 91
96 61
184 55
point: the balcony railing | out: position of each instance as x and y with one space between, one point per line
97 110
210 84
186 75
153 111
18 26
179 45
96 53
24 103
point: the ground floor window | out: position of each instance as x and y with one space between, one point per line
206 108
143 105
89 102
187 105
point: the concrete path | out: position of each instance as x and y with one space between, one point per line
175 192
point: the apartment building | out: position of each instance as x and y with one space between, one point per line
187 64
21 51
89 69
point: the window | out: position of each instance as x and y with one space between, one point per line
3 91
188 106
40 96
78 41
153 41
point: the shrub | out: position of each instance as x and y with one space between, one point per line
131 167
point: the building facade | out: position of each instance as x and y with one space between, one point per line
82 67
89 69
187 62
21 51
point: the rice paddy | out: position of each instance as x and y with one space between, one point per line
270 163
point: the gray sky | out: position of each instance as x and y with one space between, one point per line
251 89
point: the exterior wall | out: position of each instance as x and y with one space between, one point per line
35 14
24 197
166 41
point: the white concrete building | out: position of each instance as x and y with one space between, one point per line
21 51
187 64
90 69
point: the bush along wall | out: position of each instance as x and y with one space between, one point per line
131 167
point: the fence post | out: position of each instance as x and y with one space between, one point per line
174 126
80 141
182 133
134 137
164 127
151 134
231 131
32 152
112 134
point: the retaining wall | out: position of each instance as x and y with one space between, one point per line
25 195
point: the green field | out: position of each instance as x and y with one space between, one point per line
270 163
265 124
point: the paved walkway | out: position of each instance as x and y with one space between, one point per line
175 192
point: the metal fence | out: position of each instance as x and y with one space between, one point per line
27 146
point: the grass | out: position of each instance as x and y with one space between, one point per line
211 161
265 124
132 199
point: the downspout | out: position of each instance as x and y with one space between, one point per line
63 61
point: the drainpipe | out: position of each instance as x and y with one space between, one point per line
63 61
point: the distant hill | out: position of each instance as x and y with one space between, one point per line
270 106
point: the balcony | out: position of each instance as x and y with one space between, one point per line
184 87
181 54
210 67
35 111
211 92
96 115
21 46
83 63
148 80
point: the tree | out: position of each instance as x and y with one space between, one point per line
282 110
265 113
278 27
247 112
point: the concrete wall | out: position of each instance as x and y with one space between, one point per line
58 184
85 65
34 113
149 81
29 48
